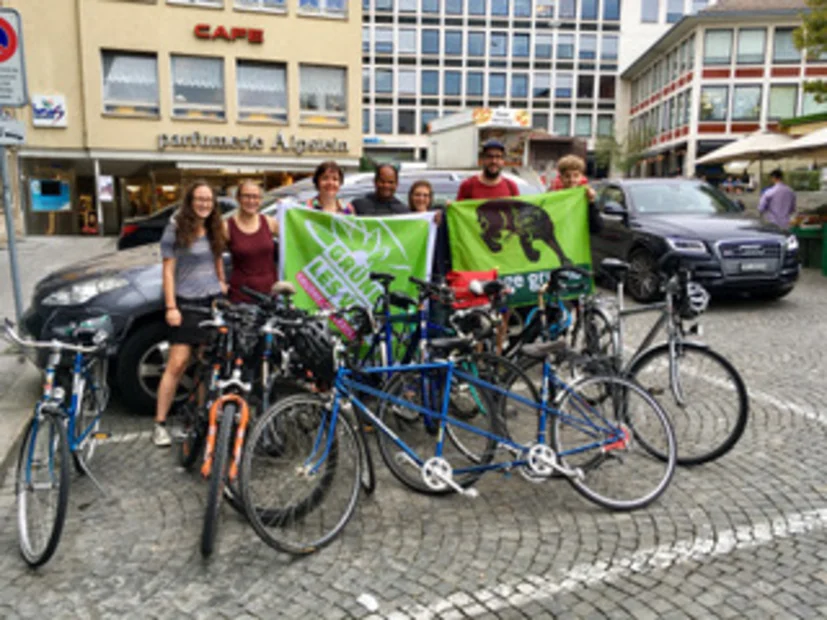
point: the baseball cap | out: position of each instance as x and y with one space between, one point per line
493 144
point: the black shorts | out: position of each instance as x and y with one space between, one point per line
189 332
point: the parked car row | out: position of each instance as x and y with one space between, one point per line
643 219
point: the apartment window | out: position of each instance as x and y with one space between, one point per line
365 5
365 80
542 46
783 99
606 88
520 45
197 86
430 41
585 86
751 46
211 3
262 91
544 8
611 10
430 82
674 11
605 126
453 42
476 44
408 6
565 46
383 79
542 85
474 84
323 94
453 7
687 102
699 5
522 8
563 86
496 85
476 7
539 120
383 119
588 46
453 83
383 43
430 6
678 110
714 101
519 85
426 116
384 5
809 105
562 125
588 9
583 125
499 44
784 49
366 39
499 7
130 83
717 47
276 6
335 8
365 121
684 58
407 82
609 49
407 41
649 11
568 9
407 122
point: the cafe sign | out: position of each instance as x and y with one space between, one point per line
281 143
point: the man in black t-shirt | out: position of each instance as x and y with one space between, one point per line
383 201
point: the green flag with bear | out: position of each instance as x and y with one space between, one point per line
523 237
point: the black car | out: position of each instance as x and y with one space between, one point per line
149 228
730 252
127 286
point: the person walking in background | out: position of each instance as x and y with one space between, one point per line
777 203
193 275
328 179
570 171
383 200
489 183
249 237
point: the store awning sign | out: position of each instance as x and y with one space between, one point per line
49 111
12 66
206 31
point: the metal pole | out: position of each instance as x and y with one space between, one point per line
98 205
7 207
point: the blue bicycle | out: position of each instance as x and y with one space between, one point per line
59 433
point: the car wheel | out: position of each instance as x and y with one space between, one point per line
642 280
141 364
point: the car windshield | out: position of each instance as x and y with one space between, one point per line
678 198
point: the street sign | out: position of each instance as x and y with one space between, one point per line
12 65
12 132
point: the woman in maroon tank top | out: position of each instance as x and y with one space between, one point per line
250 241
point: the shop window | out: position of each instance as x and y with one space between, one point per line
407 122
583 126
751 46
539 120
476 44
328 8
474 84
275 6
784 49
542 46
323 95
197 87
562 125
714 101
611 10
130 83
262 91
649 10
717 47
519 85
783 99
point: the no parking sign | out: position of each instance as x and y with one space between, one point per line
12 66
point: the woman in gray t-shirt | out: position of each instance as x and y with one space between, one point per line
193 275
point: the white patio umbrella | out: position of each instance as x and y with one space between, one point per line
812 145
760 145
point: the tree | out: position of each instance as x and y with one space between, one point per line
623 155
811 39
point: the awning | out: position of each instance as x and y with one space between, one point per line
758 145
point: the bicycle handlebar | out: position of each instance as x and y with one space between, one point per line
52 344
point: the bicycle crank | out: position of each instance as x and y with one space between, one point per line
438 475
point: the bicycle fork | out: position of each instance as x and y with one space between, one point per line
241 429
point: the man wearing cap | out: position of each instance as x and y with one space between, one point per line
489 183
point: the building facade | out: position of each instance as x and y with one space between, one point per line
132 99
558 59
715 77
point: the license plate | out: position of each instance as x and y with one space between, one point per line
755 266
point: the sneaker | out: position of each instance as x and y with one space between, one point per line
160 437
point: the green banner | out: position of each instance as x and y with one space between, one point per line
329 257
523 238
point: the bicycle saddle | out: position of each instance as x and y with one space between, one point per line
614 266
383 278
283 288
443 347
539 350
401 300
490 288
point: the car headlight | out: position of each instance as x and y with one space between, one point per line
686 246
792 243
81 292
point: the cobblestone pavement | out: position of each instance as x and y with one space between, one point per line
742 537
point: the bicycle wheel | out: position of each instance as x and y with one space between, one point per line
464 449
296 497
706 403
42 488
595 433
593 334
218 477
188 428
95 400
